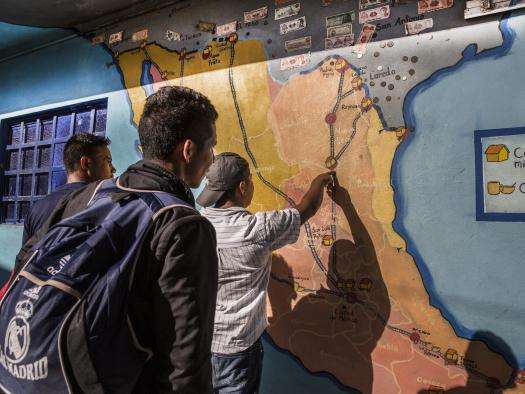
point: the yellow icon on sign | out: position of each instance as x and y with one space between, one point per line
497 153
494 188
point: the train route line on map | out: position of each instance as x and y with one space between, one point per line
334 157
334 111
182 59
255 164
331 118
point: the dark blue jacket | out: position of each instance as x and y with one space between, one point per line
41 209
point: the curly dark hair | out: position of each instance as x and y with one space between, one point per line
171 115
79 145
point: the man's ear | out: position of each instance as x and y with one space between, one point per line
188 150
243 187
85 164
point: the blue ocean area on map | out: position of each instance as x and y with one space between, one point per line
472 270
146 79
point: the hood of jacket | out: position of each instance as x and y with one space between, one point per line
146 175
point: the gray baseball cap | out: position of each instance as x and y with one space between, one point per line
224 174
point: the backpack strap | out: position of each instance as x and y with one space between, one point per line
165 201
105 188
168 202
62 210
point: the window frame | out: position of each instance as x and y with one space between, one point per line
38 117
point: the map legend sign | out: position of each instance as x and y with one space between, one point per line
477 8
500 175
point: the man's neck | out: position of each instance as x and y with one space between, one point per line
76 177
167 165
231 204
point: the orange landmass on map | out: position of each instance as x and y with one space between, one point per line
378 338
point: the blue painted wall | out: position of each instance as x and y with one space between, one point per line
65 73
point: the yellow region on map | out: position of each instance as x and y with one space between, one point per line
253 96
347 298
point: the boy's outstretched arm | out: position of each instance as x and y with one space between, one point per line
312 200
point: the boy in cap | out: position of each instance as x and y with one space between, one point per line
245 242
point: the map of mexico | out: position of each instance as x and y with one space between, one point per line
349 298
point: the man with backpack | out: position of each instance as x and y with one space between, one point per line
118 293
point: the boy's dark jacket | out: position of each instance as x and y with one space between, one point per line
174 292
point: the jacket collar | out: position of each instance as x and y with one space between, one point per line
146 175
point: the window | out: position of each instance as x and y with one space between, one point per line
32 150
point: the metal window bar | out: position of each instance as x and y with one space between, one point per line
37 145
92 120
50 177
35 164
72 124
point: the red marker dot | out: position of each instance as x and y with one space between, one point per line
331 118
414 337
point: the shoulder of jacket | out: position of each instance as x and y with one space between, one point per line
176 217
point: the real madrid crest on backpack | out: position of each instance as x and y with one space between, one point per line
72 295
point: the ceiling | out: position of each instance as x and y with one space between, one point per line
70 13
30 24
16 39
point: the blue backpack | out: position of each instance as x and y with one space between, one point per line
78 277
